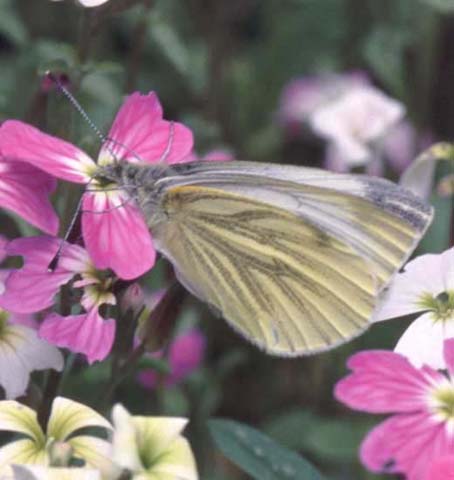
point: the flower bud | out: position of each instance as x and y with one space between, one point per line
133 299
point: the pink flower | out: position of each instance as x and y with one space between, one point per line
422 401
114 231
216 155
441 469
25 190
32 288
184 357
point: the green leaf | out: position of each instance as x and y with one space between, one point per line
444 6
330 440
258 455
11 25
158 364
189 60
385 50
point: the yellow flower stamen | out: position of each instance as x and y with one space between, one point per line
441 306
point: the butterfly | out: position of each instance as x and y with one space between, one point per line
295 259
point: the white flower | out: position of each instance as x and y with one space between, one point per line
38 447
88 4
302 96
29 472
21 352
356 120
92 3
151 448
427 286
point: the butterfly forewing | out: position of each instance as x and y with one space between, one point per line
285 284
379 220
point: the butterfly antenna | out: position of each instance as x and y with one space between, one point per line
107 141
104 138
76 105
54 262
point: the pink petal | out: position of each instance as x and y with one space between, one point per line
218 155
28 292
4 274
441 469
88 333
20 141
448 352
27 320
3 244
25 190
32 288
148 378
406 444
116 237
186 355
140 133
384 382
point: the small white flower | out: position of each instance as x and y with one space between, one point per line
356 120
151 448
427 286
88 4
21 352
302 96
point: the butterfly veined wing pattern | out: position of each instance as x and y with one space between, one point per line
294 258
284 284
381 221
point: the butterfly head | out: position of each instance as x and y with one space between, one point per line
121 174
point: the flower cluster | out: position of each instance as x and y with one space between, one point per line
114 232
139 448
361 124
36 316
416 381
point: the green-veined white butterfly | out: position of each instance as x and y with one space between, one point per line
294 258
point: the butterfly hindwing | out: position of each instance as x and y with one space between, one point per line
284 283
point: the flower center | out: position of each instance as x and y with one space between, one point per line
443 401
4 315
441 306
101 291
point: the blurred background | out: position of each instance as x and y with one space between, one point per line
242 75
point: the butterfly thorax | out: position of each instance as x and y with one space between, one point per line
139 181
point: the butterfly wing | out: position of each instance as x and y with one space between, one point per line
285 284
381 221
294 258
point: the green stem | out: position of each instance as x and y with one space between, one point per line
50 392
159 324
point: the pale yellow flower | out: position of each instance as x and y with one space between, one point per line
37 448
152 448
35 472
